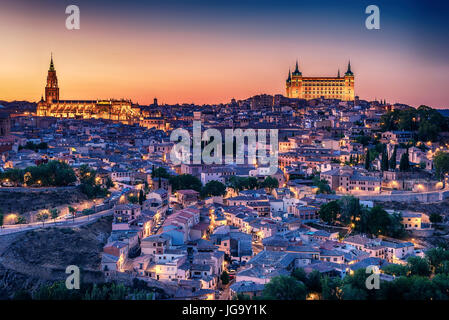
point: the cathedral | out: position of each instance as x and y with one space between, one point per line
338 87
118 110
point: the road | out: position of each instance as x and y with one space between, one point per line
60 222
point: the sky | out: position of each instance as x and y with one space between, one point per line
208 52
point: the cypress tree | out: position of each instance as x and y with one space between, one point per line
392 164
367 160
384 163
404 164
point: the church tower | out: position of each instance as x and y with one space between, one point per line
294 83
349 84
51 89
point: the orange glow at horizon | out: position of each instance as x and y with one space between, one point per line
118 59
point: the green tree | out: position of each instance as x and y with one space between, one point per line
353 293
437 256
395 228
404 164
21 220
251 183
395 270
213 188
133 199
428 131
141 197
53 173
299 274
375 221
426 121
242 183
109 183
89 185
313 282
431 123
56 291
435 217
329 211
97 293
418 266
389 120
54 213
392 164
118 292
72 211
441 164
234 183
330 288
367 160
406 122
362 139
14 175
270 183
185 181
35 147
354 287
385 162
421 289
441 286
323 185
284 288
224 277
444 268
42 217
350 209
160 172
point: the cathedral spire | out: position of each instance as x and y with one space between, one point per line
338 75
289 76
51 89
52 66
349 72
297 72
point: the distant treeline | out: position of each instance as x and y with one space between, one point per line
427 122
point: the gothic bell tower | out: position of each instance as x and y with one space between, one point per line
349 84
51 89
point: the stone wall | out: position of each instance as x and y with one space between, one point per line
425 197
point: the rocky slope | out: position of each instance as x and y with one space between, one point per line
22 200
30 259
